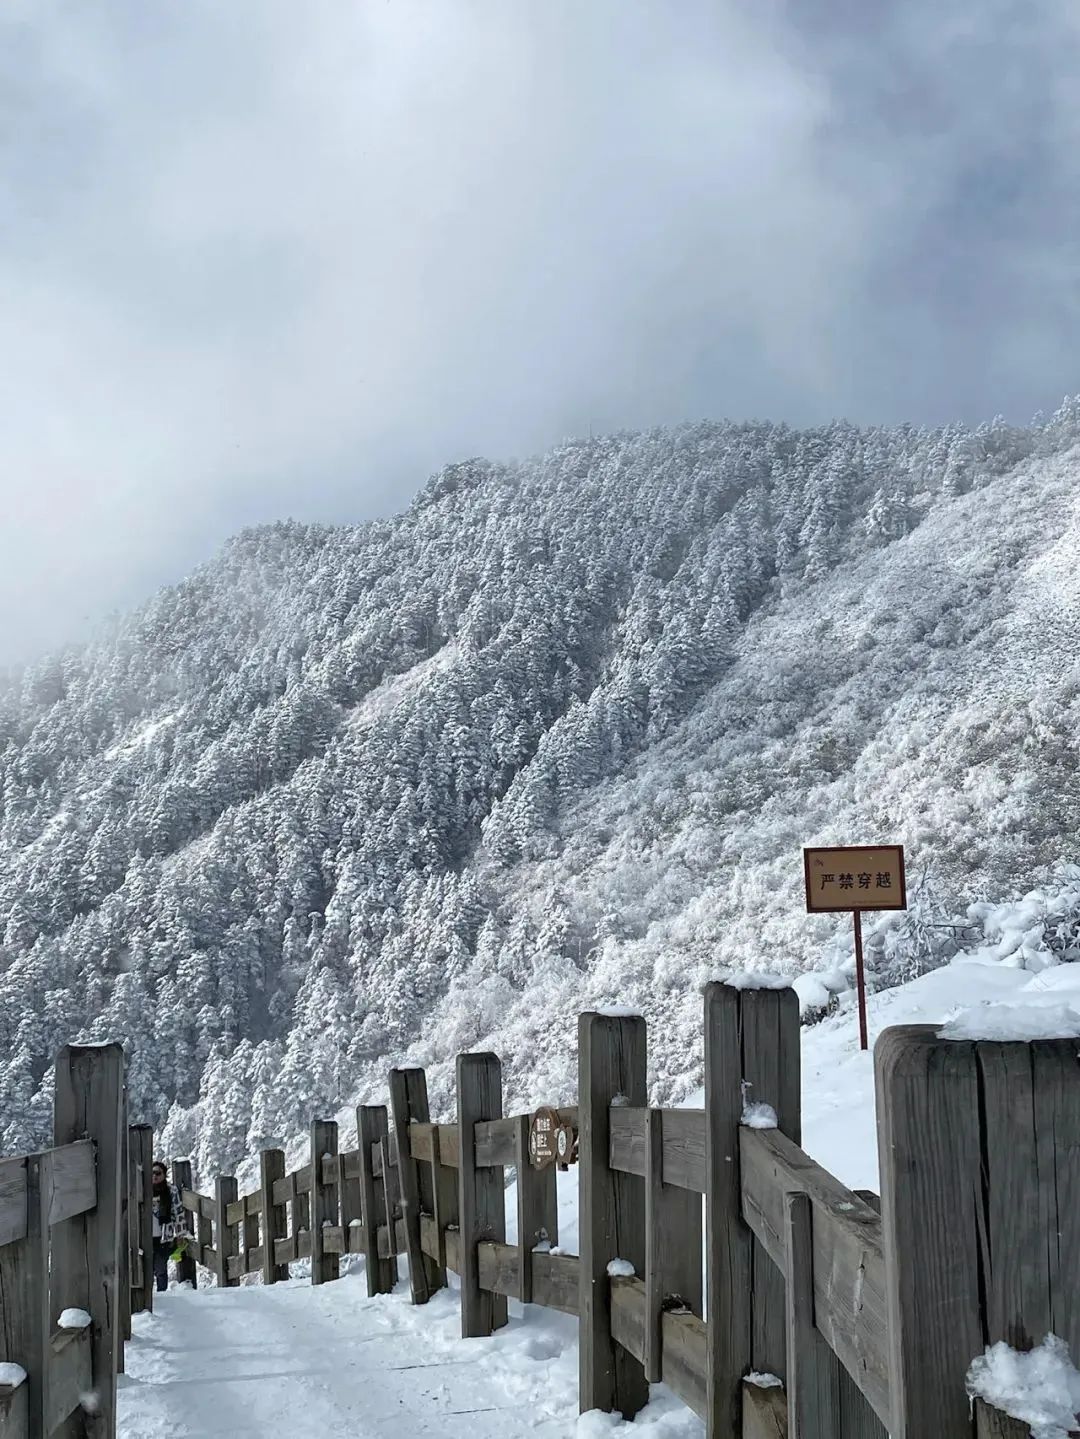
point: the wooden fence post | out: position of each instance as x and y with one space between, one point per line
537 1207
611 1208
324 1200
481 1192
180 1170
751 1056
672 1247
226 1246
351 1202
275 1222
409 1105
128 1254
25 1327
371 1126
391 1181
89 1104
141 1215
975 1176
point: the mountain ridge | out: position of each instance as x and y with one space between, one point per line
348 794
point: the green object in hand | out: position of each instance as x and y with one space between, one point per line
178 1252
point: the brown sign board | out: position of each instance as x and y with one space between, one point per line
852 877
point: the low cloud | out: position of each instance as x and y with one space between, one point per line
266 259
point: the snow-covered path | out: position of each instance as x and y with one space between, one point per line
302 1362
310 1363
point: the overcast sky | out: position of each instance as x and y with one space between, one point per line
266 258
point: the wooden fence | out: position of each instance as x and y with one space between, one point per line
338 1203
832 1314
61 1257
858 1316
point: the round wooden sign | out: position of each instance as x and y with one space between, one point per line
544 1137
566 1145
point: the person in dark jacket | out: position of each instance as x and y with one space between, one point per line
169 1225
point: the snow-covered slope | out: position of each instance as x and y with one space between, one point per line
553 737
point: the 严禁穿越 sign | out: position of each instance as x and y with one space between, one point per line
846 878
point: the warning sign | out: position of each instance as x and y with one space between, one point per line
855 877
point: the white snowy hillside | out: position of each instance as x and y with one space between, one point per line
553 737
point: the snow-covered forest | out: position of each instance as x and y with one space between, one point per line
553 737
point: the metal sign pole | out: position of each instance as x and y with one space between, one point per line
859 980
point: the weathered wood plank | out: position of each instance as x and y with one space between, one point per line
850 1304
1030 1235
537 1208
993 1424
392 1203
89 1104
728 1260
142 1200
451 1243
683 1341
14 1419
12 1200
130 1258
372 1125
628 1139
24 1296
350 1200
481 1197
555 1280
226 1240
181 1177
672 1247
611 1221
70 1375
931 1191
284 1189
423 1138
772 1072
274 1215
446 1197
813 1404
765 1414
684 1145
74 1181
325 1265
496 1141
409 1105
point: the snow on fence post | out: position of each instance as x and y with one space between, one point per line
141 1216
979 1176
324 1200
275 1219
409 1105
371 1126
611 1208
226 1246
85 1251
481 1192
180 1170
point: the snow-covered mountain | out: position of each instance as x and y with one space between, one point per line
553 737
